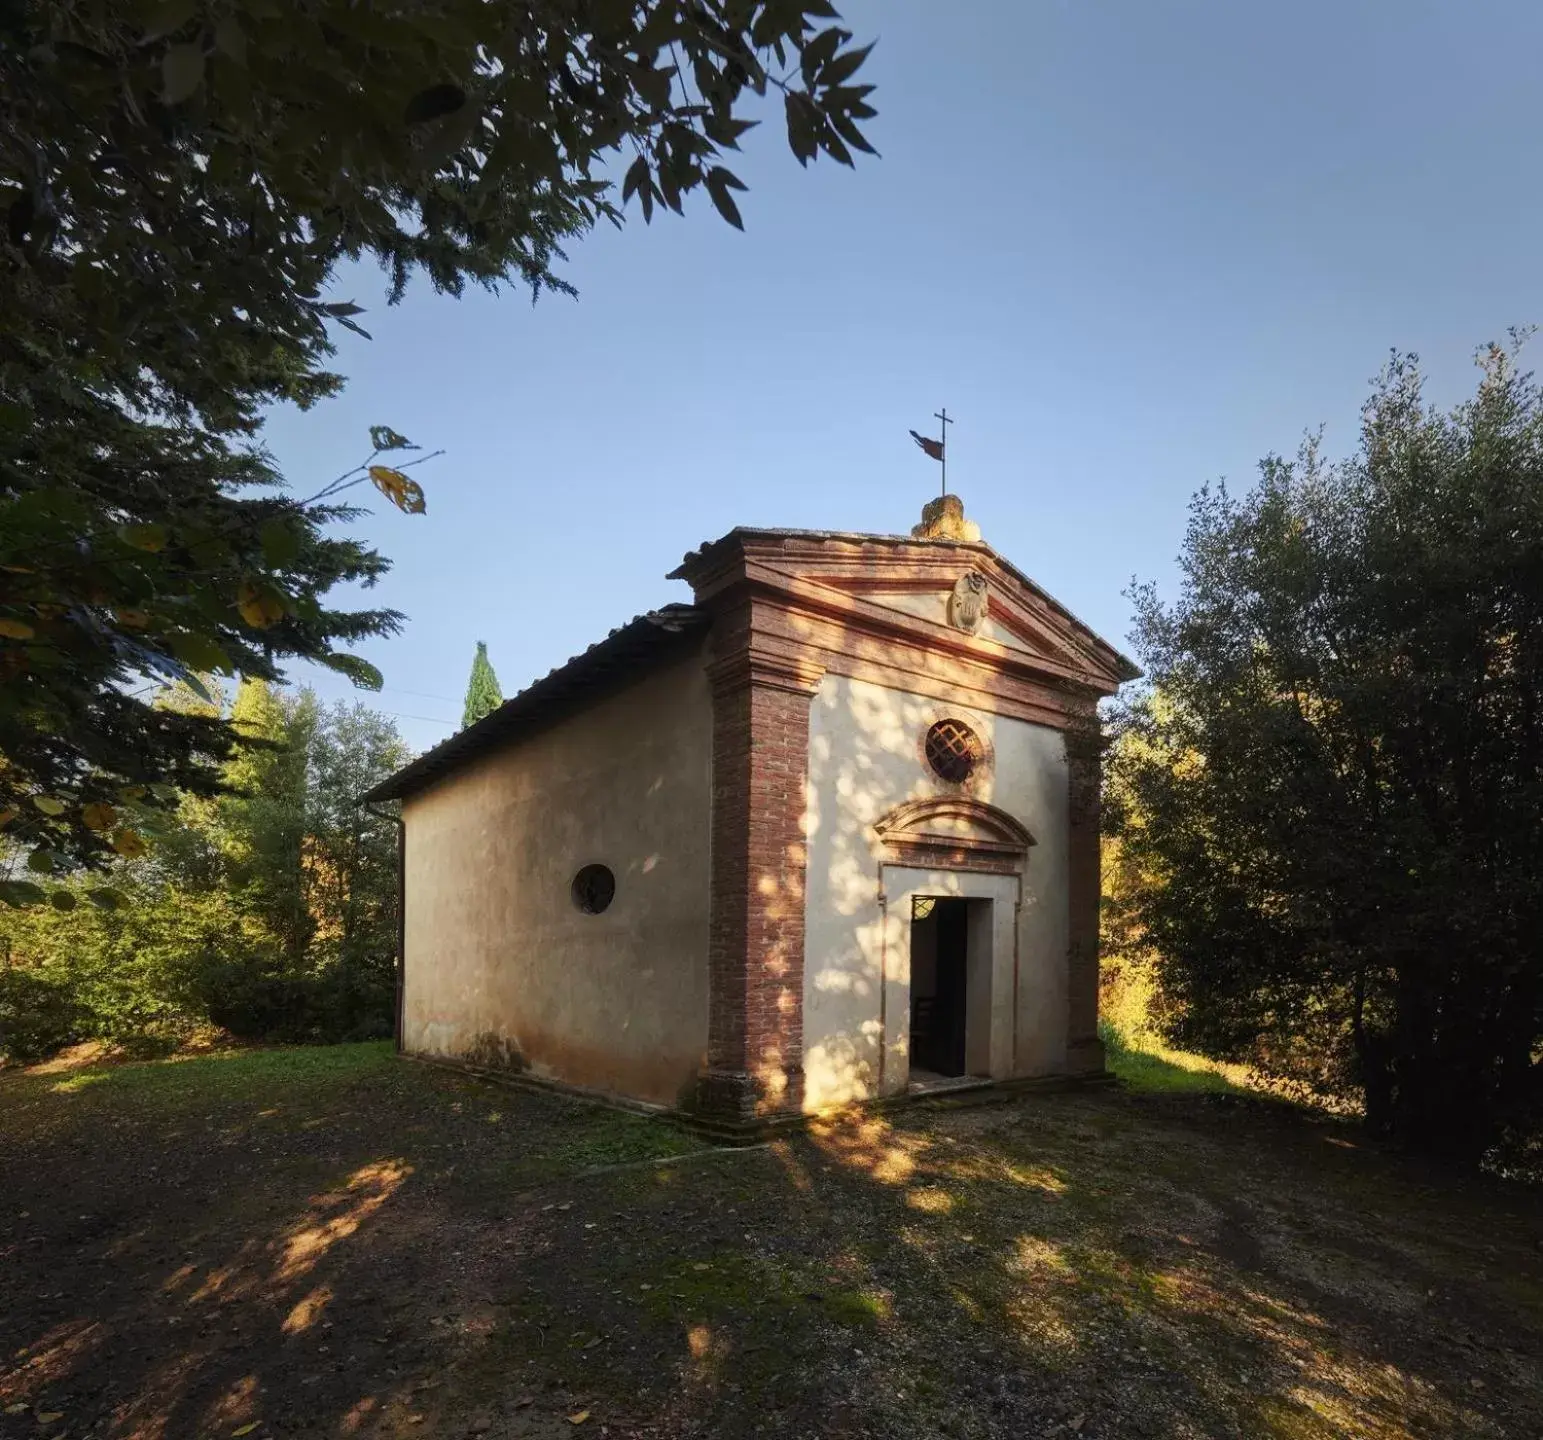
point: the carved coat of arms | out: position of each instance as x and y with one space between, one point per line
967 604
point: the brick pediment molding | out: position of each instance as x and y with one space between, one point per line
822 598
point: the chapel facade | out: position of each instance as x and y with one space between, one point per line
827 833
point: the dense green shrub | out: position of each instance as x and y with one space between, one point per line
1327 801
38 1013
269 912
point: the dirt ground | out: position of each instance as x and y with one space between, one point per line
335 1242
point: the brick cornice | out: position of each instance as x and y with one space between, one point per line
797 673
833 573
785 630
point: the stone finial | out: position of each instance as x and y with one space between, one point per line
943 519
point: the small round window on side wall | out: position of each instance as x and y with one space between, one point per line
594 887
953 751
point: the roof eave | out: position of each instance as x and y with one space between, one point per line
628 653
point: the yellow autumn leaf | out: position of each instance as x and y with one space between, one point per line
49 805
247 1428
47 1417
16 630
98 815
401 490
260 605
389 482
129 843
578 1417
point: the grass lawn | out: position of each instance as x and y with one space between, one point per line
334 1242
1153 1068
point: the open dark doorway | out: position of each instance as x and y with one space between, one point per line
939 963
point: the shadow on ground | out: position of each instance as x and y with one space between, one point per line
334 1242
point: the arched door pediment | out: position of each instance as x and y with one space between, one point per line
954 832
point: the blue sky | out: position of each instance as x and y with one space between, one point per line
1131 246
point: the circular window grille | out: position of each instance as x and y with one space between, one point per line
954 750
594 887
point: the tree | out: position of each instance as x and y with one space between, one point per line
351 864
135 562
1337 799
180 181
269 909
260 819
483 696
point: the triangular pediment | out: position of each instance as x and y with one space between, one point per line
1004 623
905 585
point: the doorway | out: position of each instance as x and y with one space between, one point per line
940 949
949 958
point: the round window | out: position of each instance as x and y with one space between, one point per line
594 887
954 750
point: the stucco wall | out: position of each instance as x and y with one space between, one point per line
865 758
501 966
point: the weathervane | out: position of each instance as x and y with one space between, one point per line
938 449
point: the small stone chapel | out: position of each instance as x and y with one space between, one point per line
827 833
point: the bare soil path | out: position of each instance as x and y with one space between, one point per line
334 1242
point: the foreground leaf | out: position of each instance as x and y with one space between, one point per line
403 491
719 183
281 542
383 437
130 844
200 652
18 893
98 816
433 103
151 538
361 672
182 72
260 605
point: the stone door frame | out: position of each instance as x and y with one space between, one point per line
953 847
991 1010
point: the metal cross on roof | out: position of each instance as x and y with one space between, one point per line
937 449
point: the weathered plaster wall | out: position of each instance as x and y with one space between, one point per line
865 757
501 966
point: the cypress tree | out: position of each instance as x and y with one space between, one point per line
482 693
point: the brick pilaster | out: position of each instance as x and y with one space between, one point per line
756 913
1085 1051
